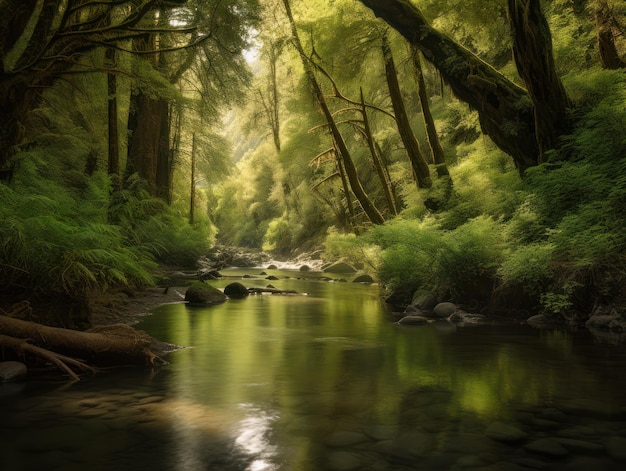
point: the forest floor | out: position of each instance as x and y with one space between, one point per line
130 308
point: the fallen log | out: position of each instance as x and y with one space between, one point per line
116 345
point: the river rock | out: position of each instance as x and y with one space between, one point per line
503 432
340 268
423 299
236 290
413 320
363 279
541 321
201 293
444 310
272 267
547 447
12 370
305 268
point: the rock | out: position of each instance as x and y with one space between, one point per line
444 310
305 268
201 293
616 447
506 433
272 267
606 318
363 279
413 320
271 277
236 290
423 299
340 267
541 320
547 447
12 370
467 318
401 297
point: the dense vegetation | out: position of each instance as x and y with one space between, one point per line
483 159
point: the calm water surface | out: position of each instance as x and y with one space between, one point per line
328 381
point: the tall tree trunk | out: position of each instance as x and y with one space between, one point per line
162 177
114 144
274 111
192 189
421 172
379 165
609 57
346 188
368 207
505 111
431 131
532 50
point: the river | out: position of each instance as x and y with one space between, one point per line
326 380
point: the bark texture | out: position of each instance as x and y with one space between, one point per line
421 172
532 50
505 109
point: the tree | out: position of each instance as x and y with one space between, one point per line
506 111
351 171
605 24
41 41
421 172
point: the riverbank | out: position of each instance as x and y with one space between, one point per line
130 307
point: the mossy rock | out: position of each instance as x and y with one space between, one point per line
340 268
363 279
236 290
201 293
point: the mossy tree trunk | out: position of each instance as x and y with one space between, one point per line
605 22
532 50
439 158
379 163
419 166
370 210
505 110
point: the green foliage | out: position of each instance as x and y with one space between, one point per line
453 263
529 266
45 248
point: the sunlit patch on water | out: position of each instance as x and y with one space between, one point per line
253 438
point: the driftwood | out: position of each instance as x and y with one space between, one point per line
71 350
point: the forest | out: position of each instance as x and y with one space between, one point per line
475 149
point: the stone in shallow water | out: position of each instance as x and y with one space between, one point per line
616 446
413 320
345 438
547 447
343 461
503 432
12 370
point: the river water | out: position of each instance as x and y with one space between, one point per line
328 381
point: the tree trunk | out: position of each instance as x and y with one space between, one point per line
368 207
192 189
379 165
431 131
421 172
114 144
106 346
163 164
274 111
532 50
505 110
609 57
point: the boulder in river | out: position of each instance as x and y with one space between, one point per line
201 293
236 290
444 310
413 320
363 279
340 268
12 370
424 299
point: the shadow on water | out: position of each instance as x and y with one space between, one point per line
327 381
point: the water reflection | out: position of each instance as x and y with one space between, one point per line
329 382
